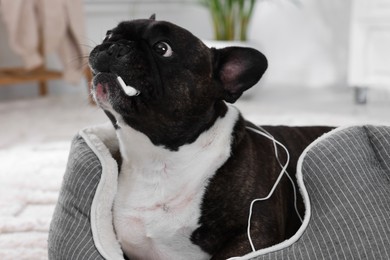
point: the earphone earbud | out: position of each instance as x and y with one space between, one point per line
129 90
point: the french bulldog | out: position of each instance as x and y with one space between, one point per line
189 166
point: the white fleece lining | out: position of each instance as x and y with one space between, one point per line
101 214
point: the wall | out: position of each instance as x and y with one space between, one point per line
305 43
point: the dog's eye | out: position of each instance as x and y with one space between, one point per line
163 49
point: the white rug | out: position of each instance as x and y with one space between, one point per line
30 178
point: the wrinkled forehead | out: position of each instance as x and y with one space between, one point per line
146 29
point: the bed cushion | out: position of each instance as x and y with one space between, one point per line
344 178
70 235
347 177
82 227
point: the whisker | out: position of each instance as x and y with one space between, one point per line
83 59
86 45
90 40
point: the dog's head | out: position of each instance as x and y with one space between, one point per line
177 76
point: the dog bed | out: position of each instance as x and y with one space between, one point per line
344 178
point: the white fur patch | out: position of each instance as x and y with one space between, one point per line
157 206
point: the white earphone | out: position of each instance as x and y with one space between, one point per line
263 132
129 90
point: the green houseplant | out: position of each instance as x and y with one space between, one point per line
230 18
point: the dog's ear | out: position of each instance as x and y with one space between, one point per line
153 17
238 69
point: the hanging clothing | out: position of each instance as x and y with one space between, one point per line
59 24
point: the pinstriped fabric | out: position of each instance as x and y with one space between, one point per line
347 176
70 235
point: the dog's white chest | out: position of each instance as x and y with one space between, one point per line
157 206
155 216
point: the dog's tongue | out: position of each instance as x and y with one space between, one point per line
129 90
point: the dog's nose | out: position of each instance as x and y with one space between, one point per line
118 50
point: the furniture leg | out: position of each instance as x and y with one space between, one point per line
361 95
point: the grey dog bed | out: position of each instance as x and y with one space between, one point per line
344 178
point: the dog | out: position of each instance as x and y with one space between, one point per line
189 166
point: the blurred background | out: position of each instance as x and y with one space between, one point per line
307 42
329 64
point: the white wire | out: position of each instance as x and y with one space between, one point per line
287 174
284 170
